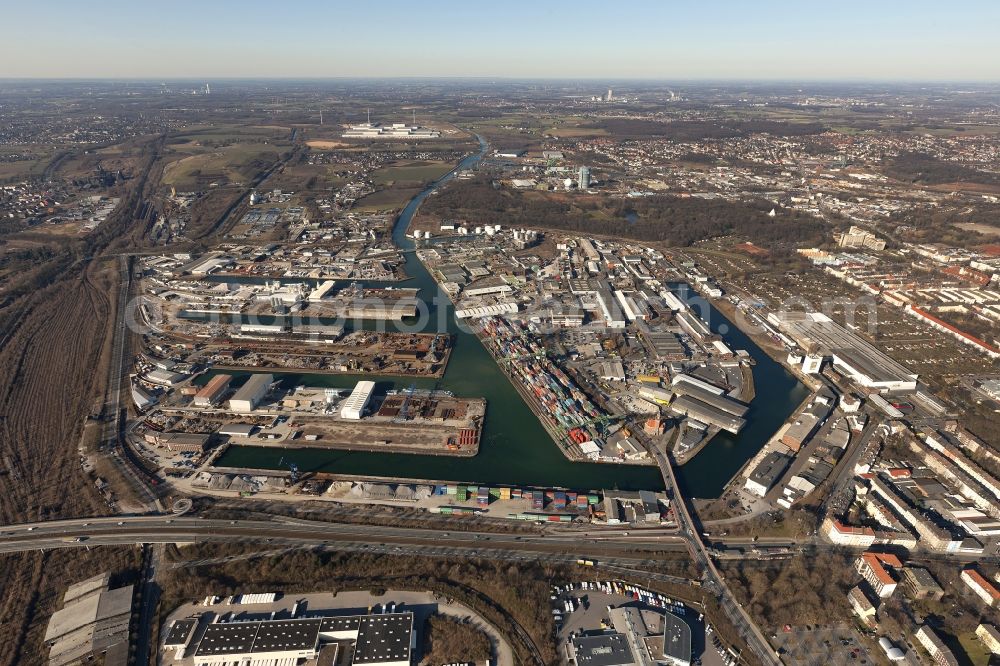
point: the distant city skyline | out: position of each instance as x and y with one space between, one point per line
906 41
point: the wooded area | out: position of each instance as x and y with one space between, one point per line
448 640
927 169
677 221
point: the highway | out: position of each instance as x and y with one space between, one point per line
637 553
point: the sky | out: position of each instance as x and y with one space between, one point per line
612 39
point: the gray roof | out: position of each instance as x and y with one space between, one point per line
380 637
603 650
384 638
227 638
180 631
676 637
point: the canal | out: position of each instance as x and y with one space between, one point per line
515 448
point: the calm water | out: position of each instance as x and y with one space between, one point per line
515 449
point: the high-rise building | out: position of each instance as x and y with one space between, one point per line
584 178
609 95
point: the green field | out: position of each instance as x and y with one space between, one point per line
387 199
411 172
975 651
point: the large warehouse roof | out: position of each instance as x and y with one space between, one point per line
817 333
384 638
380 639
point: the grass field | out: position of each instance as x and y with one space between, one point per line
24 169
417 173
233 163
391 198
975 652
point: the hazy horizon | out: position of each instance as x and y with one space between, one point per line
584 40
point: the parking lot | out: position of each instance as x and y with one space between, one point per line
821 645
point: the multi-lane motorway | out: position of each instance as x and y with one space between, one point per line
633 551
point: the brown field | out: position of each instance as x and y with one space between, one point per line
327 145
51 370
984 229
982 188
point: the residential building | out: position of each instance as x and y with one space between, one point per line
862 606
918 583
983 588
935 647
990 637
873 568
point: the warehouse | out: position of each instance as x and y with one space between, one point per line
379 640
251 393
852 356
767 473
674 303
716 400
676 640
94 620
693 326
355 404
211 394
691 407
664 344
799 431
695 381
610 312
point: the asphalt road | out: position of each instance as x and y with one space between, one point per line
613 548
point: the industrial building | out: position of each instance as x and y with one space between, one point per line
852 356
355 404
676 640
251 393
602 650
378 640
767 473
212 392
371 130
799 431
93 621
709 397
706 413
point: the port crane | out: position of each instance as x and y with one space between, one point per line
404 410
292 467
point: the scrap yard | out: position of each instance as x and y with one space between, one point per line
267 412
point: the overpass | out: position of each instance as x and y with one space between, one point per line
713 579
